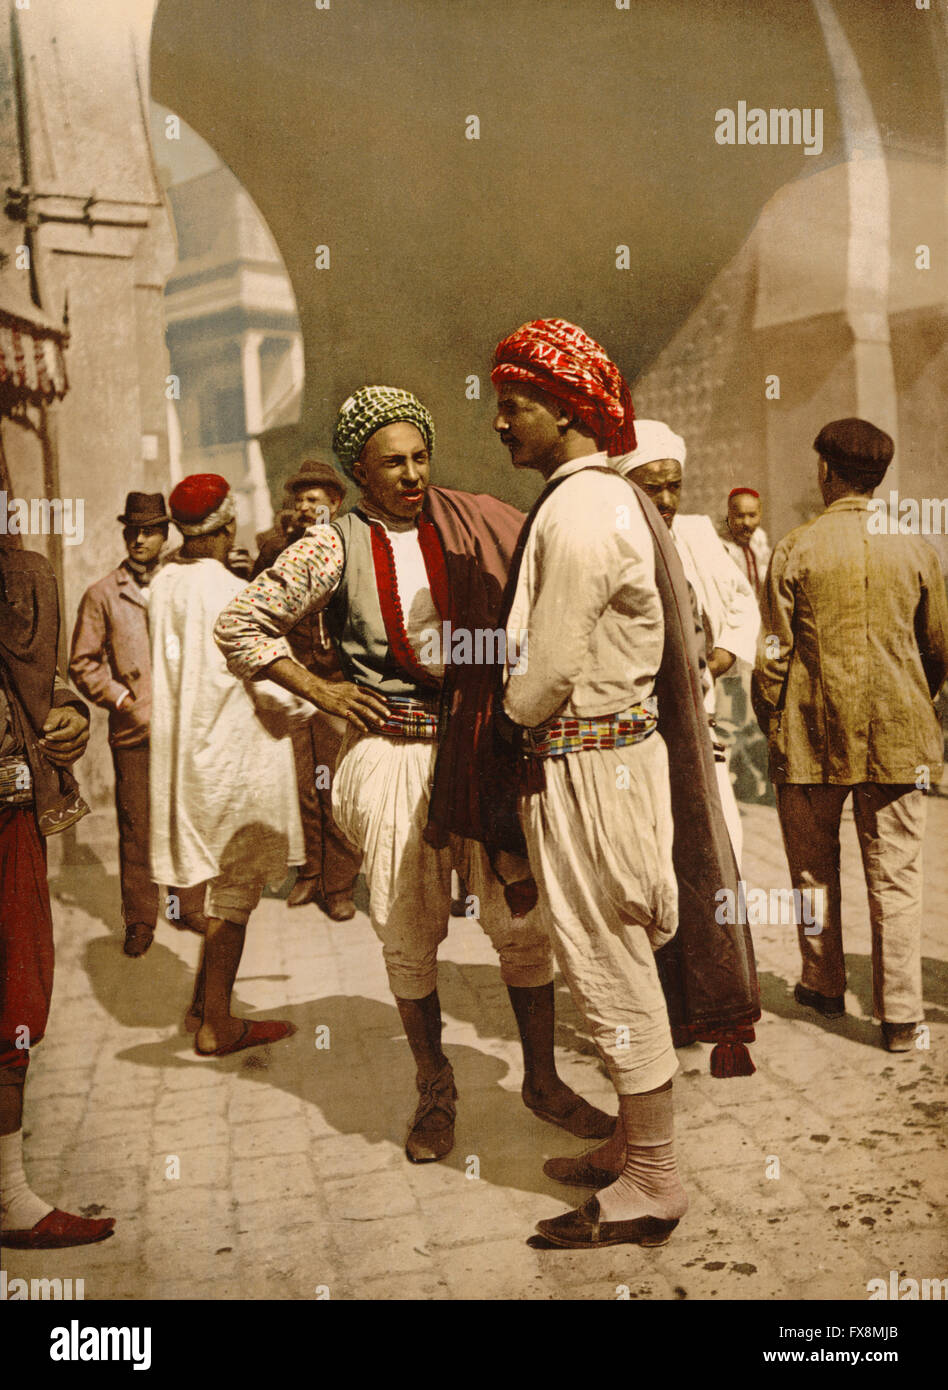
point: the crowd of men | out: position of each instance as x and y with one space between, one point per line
314 710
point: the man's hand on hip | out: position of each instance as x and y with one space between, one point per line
350 702
361 708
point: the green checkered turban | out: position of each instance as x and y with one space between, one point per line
371 409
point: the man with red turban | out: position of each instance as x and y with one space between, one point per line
600 594
224 807
556 357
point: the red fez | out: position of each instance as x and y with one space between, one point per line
736 492
196 496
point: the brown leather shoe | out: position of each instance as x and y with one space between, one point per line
830 1006
579 1118
138 937
340 907
432 1128
578 1172
584 1230
304 890
898 1037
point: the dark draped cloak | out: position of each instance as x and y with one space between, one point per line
707 970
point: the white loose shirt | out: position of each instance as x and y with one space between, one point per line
587 601
218 774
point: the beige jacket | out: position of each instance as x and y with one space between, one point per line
853 650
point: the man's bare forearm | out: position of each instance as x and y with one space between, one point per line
365 709
295 678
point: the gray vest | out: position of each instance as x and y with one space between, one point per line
354 617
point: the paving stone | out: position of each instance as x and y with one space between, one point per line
268 1139
747 1189
189 1135
250 1102
183 1107
120 1192
722 1145
290 1176
100 1126
496 1269
415 1287
371 1197
51 1082
473 1213
349 1155
370 1249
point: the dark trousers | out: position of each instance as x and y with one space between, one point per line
140 898
26 940
329 855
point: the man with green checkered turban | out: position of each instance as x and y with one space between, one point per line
371 409
410 582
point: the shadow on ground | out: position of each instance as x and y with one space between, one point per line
776 997
84 882
364 1085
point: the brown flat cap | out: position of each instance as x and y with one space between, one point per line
315 473
857 450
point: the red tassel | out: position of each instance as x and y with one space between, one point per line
731 1059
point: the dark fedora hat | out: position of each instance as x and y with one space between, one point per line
315 473
144 509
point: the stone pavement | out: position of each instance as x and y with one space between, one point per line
822 1171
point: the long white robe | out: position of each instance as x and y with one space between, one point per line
731 619
222 772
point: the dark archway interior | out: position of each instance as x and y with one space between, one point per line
347 126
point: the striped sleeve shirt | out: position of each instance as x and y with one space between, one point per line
251 630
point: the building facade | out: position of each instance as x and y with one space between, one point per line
234 340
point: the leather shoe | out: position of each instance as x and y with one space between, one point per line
427 1142
583 1229
304 890
829 1005
57 1230
340 907
898 1037
138 937
578 1172
581 1119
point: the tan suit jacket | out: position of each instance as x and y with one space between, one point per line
853 650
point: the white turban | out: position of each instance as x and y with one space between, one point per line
654 441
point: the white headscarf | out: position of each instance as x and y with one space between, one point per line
654 441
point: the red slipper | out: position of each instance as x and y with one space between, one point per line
254 1034
57 1230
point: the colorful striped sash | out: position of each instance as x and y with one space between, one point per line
408 717
562 735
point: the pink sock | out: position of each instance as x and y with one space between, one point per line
649 1184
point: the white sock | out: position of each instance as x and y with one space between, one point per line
20 1208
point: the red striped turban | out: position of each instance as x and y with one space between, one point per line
561 360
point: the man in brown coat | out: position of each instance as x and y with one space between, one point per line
111 665
852 653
